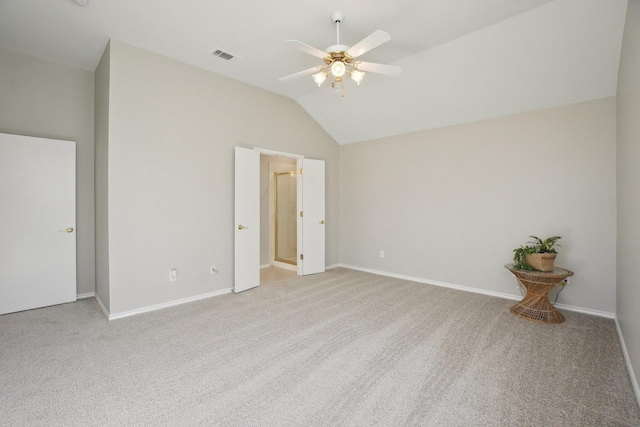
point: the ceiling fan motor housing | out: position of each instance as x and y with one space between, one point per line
337 53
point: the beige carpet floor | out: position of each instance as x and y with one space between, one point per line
344 348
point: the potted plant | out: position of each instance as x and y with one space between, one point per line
537 255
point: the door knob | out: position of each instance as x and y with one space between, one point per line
69 230
322 222
241 227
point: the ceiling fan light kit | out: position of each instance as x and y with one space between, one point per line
339 59
338 68
320 77
357 76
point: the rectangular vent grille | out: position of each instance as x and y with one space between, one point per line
225 55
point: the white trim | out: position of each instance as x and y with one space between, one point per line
632 375
477 291
285 266
328 267
590 311
167 304
102 307
86 295
278 153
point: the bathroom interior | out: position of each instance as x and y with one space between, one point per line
278 200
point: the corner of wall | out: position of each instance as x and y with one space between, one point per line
101 163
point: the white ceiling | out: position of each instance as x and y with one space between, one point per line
463 59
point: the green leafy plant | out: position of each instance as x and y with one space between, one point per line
545 246
539 246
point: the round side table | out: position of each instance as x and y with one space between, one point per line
535 306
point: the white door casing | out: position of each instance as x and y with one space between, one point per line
299 230
311 228
37 222
247 219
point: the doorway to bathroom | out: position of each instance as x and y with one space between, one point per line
253 245
279 212
284 218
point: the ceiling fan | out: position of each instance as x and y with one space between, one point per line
340 59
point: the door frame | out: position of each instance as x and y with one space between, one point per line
297 157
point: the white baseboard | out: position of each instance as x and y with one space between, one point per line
632 375
102 307
285 266
162 305
476 290
590 311
86 295
166 304
328 267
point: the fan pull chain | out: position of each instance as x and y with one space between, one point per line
338 86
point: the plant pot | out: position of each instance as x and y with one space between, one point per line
541 262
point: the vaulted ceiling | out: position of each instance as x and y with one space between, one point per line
462 60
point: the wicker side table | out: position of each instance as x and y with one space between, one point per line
535 306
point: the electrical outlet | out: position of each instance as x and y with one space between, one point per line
212 269
381 254
173 275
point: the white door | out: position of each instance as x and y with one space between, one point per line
37 222
311 234
247 219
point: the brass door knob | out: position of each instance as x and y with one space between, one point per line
241 227
69 230
322 222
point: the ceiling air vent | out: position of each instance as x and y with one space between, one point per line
225 55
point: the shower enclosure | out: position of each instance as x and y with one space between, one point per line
285 217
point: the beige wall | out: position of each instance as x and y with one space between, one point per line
102 178
628 290
172 132
49 100
451 204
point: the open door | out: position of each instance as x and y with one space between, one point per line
311 228
247 220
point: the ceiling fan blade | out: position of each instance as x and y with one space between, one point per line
374 39
388 70
305 48
300 74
